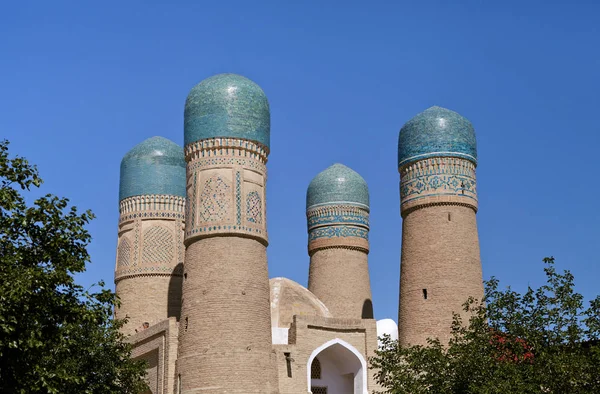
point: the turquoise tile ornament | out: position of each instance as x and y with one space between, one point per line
337 184
436 132
227 105
155 166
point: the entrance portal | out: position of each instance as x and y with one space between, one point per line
337 367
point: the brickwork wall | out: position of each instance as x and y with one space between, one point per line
338 245
225 332
158 346
149 259
441 263
312 332
339 277
148 299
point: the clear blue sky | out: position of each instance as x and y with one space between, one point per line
83 82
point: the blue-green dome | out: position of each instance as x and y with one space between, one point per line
337 184
436 132
155 166
227 105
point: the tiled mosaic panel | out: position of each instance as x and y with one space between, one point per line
238 198
214 199
227 105
338 231
157 246
254 208
435 132
350 218
438 177
155 166
123 253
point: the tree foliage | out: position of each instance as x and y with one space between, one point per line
542 341
55 336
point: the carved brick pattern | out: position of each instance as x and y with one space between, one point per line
214 200
318 390
158 245
254 208
123 253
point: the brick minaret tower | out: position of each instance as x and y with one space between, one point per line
337 210
441 265
225 330
151 223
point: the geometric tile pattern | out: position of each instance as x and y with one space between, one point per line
337 232
214 200
238 198
439 176
254 208
157 246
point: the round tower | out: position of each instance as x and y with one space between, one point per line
225 330
440 265
150 242
337 211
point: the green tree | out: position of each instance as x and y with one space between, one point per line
542 341
55 336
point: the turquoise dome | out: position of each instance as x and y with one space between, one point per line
155 166
436 132
337 184
227 105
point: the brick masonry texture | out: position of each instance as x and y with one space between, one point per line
192 252
225 331
149 260
339 277
440 254
307 333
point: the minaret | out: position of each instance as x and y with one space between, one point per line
150 242
441 265
225 331
337 211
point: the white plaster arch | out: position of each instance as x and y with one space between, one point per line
359 356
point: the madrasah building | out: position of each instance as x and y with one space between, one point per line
191 266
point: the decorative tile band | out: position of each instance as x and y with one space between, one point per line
337 232
432 179
338 226
228 191
150 241
337 214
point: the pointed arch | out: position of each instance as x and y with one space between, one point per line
360 382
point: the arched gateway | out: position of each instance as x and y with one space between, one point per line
343 369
